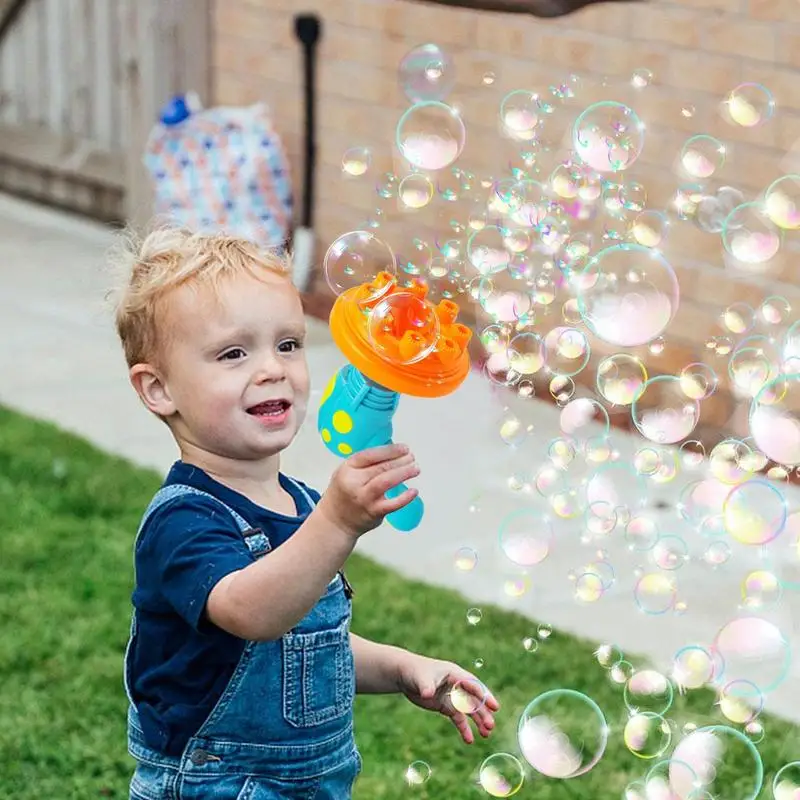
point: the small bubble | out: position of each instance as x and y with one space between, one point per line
488 78
478 663
641 78
544 631
474 616
530 644
688 110
417 773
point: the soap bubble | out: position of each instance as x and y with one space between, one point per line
693 667
501 775
562 734
466 559
583 418
417 773
782 202
619 378
648 690
566 351
775 309
627 295
740 701
655 593
403 328
775 419
519 115
749 235
698 381
786 784
718 757
474 616
608 137
430 136
356 258
467 695
525 538
753 650
608 655
415 191
487 251
748 105
660 782
662 412
755 512
525 353
649 229
641 533
426 73
356 161
750 369
647 735
670 553
641 78
702 156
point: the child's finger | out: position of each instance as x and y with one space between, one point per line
390 504
462 726
394 477
375 455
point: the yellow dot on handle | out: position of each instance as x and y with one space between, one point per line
345 449
326 435
342 421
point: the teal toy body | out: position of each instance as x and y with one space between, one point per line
356 414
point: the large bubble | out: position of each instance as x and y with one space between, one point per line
755 652
775 419
608 137
403 329
356 258
786 783
662 412
431 136
562 734
627 294
426 73
718 758
501 775
755 512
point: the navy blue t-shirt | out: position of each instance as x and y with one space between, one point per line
180 662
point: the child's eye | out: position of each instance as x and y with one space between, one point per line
289 346
232 354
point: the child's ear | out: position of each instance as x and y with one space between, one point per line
152 389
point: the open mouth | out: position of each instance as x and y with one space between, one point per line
272 408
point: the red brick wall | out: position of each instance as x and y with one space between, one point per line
698 51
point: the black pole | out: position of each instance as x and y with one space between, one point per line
10 16
307 28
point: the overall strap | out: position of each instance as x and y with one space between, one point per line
300 488
167 493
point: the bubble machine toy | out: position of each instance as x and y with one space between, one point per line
397 342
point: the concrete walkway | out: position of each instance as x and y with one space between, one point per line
60 361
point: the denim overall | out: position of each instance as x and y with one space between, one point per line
283 727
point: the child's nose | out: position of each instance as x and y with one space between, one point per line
270 369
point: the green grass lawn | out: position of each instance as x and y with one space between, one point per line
70 515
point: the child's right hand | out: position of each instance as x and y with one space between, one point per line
355 501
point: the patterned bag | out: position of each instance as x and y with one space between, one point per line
221 169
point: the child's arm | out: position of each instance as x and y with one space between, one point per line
377 665
269 597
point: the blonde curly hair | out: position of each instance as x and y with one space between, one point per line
148 268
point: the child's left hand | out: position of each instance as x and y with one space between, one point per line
427 683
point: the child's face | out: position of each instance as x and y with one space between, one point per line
236 367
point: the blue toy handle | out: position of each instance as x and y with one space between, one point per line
356 414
